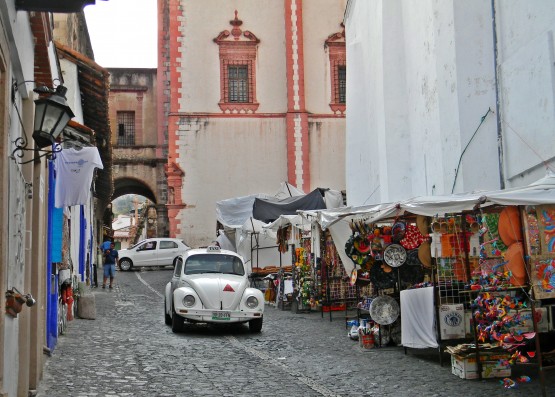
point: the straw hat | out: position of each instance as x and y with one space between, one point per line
423 224
425 254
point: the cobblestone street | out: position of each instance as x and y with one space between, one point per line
128 351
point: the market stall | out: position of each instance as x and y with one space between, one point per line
484 258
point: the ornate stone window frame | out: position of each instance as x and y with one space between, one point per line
237 48
335 45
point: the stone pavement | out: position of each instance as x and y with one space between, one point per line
128 351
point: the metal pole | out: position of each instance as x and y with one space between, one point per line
497 115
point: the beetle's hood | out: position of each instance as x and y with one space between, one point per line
217 292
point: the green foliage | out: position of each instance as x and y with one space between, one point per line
125 204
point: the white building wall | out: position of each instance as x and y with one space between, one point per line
526 73
225 158
421 78
327 153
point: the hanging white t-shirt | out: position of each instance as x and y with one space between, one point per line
74 173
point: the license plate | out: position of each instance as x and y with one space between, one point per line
221 316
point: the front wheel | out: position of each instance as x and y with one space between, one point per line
167 317
178 323
255 326
125 264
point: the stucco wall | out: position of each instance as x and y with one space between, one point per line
327 153
526 73
420 78
224 158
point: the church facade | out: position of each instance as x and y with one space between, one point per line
251 93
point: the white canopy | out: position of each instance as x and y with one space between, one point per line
234 212
539 192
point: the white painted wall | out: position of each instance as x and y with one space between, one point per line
224 158
421 76
527 67
327 153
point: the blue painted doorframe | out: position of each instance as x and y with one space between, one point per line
82 241
52 273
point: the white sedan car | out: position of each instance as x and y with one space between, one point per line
210 285
152 252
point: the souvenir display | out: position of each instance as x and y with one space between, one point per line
532 230
546 219
492 233
543 277
384 310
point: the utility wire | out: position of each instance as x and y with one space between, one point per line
466 147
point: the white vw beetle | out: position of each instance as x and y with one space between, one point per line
210 285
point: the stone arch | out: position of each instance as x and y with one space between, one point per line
129 185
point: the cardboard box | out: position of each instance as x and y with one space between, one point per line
451 321
494 365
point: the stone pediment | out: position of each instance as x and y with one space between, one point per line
236 34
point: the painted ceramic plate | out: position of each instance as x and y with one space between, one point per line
384 310
395 255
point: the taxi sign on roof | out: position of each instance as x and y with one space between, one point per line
213 248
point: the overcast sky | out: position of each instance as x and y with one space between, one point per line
123 33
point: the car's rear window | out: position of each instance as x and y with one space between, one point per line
214 263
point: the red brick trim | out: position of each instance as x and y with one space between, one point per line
335 44
237 48
298 158
171 74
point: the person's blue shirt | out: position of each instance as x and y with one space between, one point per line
111 256
105 245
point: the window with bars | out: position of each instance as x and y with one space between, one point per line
342 84
238 80
126 128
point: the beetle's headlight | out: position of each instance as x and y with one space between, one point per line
188 301
252 302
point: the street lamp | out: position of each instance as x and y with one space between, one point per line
52 114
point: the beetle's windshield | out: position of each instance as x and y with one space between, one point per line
214 263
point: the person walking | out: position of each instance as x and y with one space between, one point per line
110 259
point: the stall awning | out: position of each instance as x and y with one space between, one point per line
537 193
270 209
